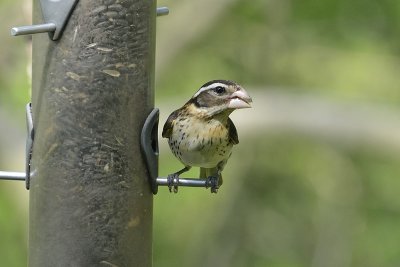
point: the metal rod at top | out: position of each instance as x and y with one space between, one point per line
162 11
32 29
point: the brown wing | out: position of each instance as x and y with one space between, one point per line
233 135
167 129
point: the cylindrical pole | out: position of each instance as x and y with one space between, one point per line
90 199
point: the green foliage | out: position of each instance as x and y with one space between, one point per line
290 200
342 49
294 201
14 94
13 226
14 83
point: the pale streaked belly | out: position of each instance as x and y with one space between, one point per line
198 149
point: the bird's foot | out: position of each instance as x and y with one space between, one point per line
173 181
213 183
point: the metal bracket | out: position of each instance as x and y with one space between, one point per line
55 16
149 145
23 176
29 144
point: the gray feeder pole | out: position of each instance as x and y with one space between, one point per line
90 198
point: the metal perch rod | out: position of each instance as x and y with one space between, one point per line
13 176
191 182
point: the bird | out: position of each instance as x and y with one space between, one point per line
201 134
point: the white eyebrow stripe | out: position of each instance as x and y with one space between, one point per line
213 85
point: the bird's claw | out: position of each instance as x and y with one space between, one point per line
173 181
213 183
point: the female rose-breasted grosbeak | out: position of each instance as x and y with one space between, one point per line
201 133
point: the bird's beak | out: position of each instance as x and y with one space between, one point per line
240 99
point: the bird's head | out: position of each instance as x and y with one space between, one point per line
220 96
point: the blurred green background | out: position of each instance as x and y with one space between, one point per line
315 178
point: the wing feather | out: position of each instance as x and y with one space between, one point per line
169 124
233 135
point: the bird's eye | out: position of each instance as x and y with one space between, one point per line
219 90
